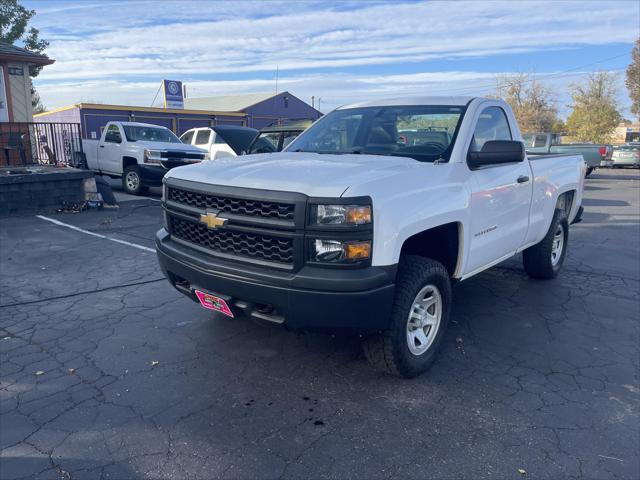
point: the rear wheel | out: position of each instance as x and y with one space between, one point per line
132 181
419 319
544 260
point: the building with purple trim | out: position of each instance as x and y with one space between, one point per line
252 110
262 109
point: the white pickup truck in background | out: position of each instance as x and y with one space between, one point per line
139 153
367 218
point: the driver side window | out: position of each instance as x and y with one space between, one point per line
113 135
492 125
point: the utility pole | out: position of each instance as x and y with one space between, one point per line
276 79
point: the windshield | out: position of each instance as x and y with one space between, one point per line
424 133
266 143
149 134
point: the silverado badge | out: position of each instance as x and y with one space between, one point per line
212 221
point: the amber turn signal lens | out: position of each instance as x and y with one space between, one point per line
358 215
358 251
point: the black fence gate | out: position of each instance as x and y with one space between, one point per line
40 143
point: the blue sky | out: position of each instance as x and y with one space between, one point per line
118 51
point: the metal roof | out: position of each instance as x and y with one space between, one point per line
20 54
139 124
134 109
228 103
394 102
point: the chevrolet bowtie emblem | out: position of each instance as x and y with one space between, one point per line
212 221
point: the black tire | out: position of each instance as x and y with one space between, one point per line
538 261
589 171
389 350
132 181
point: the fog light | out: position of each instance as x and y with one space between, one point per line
358 251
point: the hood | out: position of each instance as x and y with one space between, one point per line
177 147
238 138
316 175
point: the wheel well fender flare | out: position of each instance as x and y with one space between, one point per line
443 243
127 161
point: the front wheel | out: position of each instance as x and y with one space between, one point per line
418 321
589 171
544 260
132 182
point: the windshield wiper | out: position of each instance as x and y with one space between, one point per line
362 151
355 151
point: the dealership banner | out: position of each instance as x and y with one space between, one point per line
172 94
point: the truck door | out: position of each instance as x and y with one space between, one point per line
110 151
500 197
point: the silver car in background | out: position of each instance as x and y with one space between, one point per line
626 155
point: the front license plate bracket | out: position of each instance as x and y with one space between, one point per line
218 303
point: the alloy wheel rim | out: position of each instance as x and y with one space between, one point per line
556 246
132 180
424 319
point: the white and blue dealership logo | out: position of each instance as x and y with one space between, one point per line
173 97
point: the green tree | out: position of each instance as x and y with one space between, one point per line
532 103
595 112
633 79
558 126
14 27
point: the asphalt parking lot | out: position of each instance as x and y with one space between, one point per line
107 372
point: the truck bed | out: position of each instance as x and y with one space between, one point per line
553 172
90 148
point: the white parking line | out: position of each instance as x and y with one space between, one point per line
82 230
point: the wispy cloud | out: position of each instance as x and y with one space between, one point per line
118 50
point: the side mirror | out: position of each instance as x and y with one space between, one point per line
495 152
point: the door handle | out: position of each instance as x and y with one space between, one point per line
101 146
523 179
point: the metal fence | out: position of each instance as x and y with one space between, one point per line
40 143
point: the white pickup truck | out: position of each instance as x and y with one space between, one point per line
139 153
366 219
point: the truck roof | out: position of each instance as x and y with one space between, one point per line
138 124
392 102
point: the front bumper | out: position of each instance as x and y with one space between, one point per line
313 298
626 162
152 174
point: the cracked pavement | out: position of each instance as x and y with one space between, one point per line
539 376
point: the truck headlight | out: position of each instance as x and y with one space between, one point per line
336 251
152 156
340 214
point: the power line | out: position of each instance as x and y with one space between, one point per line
562 73
462 90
